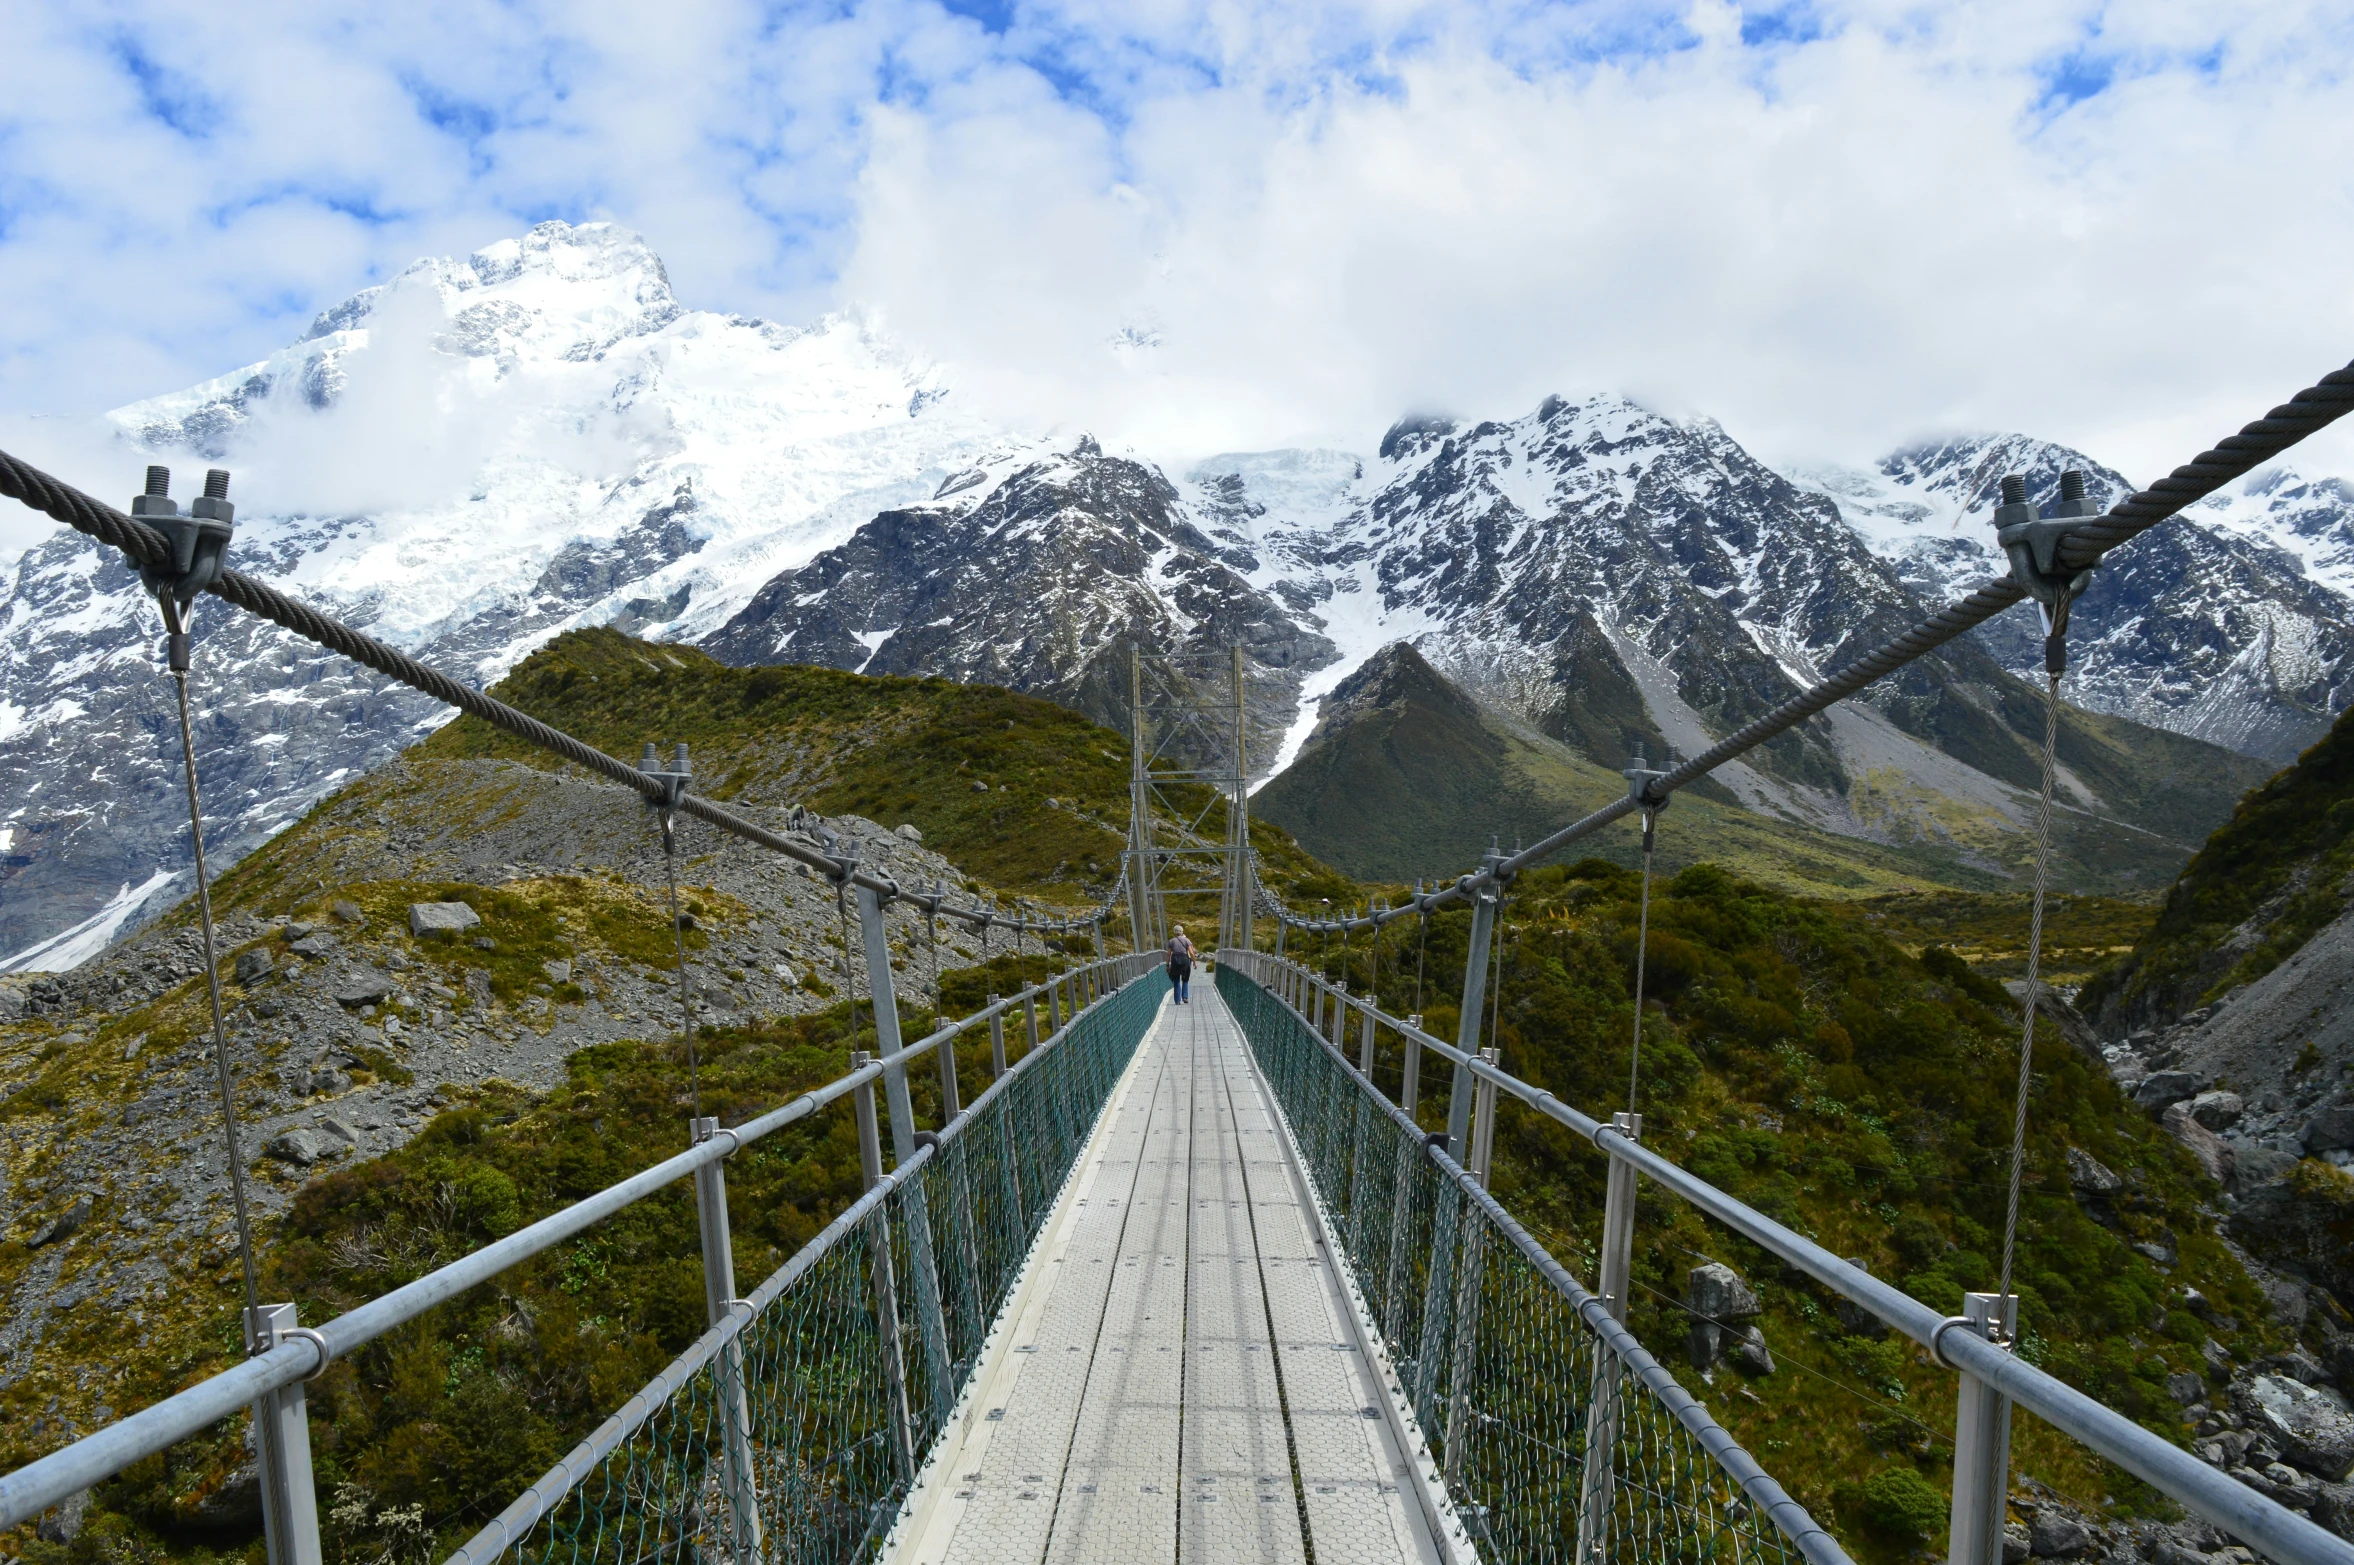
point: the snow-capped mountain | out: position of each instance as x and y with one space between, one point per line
2233 623
466 460
483 452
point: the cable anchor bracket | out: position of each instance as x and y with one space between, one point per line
200 549
2033 545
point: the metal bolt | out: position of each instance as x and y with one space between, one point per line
649 761
2072 484
2014 489
159 481
216 482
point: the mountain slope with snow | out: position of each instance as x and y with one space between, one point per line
483 452
466 460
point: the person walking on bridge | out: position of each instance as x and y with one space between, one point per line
1181 964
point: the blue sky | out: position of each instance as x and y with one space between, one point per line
1829 225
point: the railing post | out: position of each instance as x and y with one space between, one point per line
1030 1015
1483 1121
282 1445
1410 1071
1365 1045
930 1323
1340 1013
996 1040
719 1296
1054 1008
1982 1442
1475 987
886 1285
1617 1268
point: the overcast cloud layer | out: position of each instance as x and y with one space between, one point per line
1198 227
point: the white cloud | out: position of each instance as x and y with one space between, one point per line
2124 226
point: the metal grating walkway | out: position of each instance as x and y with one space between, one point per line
1179 1379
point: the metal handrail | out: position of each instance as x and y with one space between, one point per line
42 1483
2280 1532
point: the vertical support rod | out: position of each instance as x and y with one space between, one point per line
739 1488
1475 987
1340 1016
1241 937
1054 1009
996 1040
1365 1046
1982 1442
282 1429
930 1324
886 1285
1410 1072
1030 1015
1602 1410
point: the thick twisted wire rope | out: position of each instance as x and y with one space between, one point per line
176 620
20 480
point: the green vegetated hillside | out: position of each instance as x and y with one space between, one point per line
1409 775
1025 795
2272 877
1801 1058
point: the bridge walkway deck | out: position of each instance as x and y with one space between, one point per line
1180 1380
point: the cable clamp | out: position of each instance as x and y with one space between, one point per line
2034 546
199 540
673 782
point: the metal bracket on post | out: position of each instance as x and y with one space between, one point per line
1602 1409
739 1486
282 1446
930 1322
996 1040
885 1282
1981 1439
1483 1120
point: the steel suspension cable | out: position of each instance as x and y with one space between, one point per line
176 620
1642 952
678 935
2034 996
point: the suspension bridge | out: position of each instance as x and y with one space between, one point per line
1179 1281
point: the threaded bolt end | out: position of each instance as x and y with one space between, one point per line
159 481
2072 484
216 484
2014 489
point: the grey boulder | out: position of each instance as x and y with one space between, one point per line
2212 1151
441 918
2160 1088
253 966
2058 1535
2310 1424
2330 1130
366 986
300 1146
2090 1175
2218 1110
